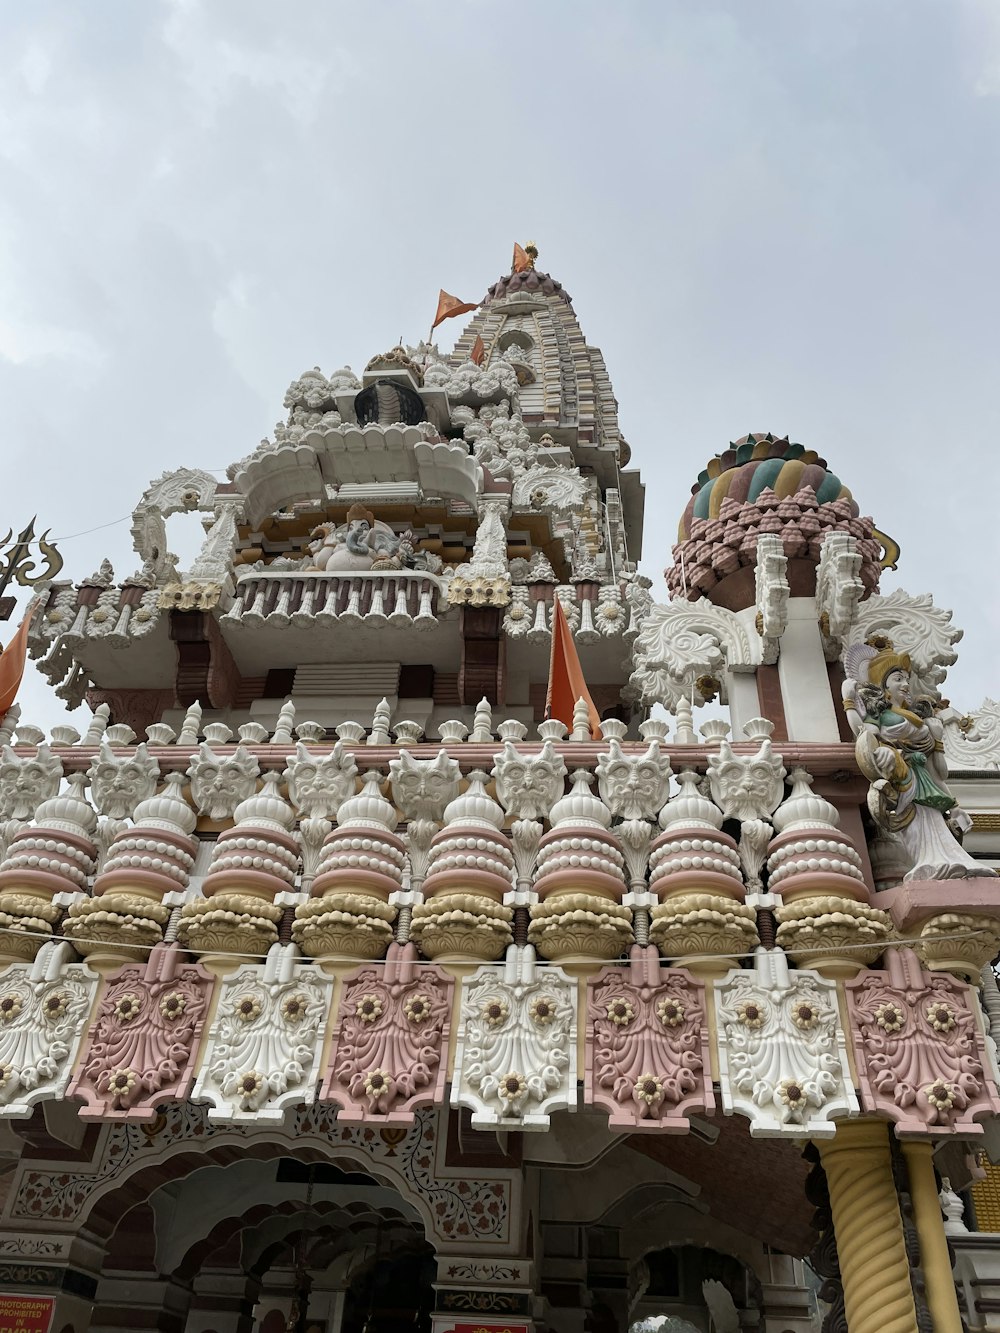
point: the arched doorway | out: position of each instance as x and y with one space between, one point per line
246 1245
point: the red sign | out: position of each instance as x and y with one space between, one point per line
26 1314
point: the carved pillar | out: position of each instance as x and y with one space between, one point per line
873 1264
942 1299
132 1301
489 1293
55 1272
223 1302
482 589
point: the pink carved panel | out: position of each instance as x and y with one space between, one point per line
142 1044
390 1040
647 1045
920 1048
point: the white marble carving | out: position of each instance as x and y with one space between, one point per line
772 593
220 782
682 643
265 1043
970 741
782 1052
838 590
318 785
916 627
516 1055
423 787
44 1007
529 785
119 782
26 781
633 786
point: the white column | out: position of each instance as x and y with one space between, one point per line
802 671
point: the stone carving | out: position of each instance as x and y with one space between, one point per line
389 1038
220 782
143 1041
839 590
516 1055
477 1211
423 787
683 644
362 543
44 1007
214 562
748 788
467 380
25 782
529 785
772 593
633 786
484 581
900 749
545 487
782 1052
318 785
920 1049
120 782
917 628
263 1049
177 492
972 741
647 1046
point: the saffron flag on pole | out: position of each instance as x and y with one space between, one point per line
12 664
478 351
448 306
521 260
566 682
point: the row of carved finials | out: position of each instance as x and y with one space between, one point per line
579 874
652 1045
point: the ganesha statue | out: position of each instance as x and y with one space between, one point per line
899 744
364 543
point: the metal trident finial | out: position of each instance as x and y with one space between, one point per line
20 564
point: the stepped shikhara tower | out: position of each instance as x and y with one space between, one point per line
315 939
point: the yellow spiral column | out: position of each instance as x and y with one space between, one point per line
942 1298
873 1263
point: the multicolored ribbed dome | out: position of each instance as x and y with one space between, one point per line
757 463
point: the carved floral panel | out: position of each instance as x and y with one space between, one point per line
516 1055
144 1039
41 1026
647 1050
264 1045
782 1051
920 1050
390 1041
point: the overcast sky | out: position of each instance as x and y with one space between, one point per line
770 216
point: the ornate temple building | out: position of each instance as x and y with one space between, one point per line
348 987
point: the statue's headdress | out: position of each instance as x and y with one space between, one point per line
358 511
870 662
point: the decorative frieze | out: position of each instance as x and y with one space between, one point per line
647 1046
388 1051
263 1049
782 1051
44 1007
516 1056
920 1049
143 1041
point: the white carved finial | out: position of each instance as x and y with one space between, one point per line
98 725
552 729
286 721
8 723
512 730
408 733
953 1209
482 726
581 721
685 734
191 725
160 733
453 732
381 722
217 733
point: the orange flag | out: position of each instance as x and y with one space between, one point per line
566 682
521 260
448 306
12 664
478 351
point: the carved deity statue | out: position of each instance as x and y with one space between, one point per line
359 544
900 749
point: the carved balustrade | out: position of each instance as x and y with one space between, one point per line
309 599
